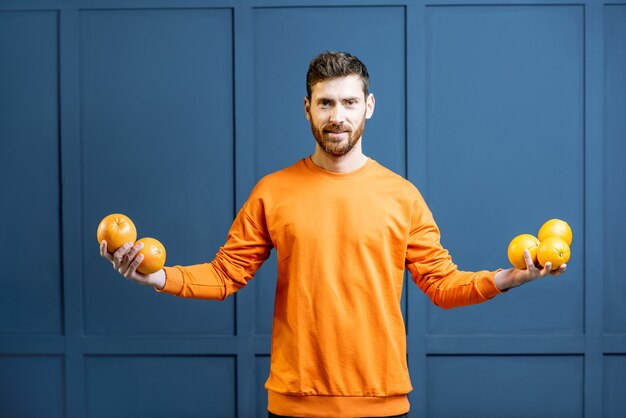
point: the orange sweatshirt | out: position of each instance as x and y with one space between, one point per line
343 242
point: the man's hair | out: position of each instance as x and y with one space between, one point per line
331 64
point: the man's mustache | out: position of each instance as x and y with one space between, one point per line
337 129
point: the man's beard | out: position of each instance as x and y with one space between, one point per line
337 147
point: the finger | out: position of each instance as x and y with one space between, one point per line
132 267
532 272
133 251
560 270
547 269
528 259
118 256
104 251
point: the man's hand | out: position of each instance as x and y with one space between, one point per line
125 262
513 277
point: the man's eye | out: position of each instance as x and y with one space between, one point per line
324 104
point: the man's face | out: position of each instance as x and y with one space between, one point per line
337 111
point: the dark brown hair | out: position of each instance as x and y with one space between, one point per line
331 64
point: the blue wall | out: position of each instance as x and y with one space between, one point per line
504 115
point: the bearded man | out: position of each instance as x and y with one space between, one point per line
345 229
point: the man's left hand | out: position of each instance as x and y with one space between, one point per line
506 279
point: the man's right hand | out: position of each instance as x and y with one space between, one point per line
126 261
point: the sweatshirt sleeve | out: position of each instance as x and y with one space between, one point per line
248 245
432 268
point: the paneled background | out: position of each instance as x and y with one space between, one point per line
503 114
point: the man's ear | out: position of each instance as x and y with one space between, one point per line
370 102
307 108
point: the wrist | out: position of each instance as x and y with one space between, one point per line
503 280
158 279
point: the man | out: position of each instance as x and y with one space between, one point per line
344 229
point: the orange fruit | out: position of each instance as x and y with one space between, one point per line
556 228
554 250
516 250
116 229
153 256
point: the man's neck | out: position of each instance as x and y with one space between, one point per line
352 161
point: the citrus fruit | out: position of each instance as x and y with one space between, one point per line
516 250
116 229
153 256
555 228
554 250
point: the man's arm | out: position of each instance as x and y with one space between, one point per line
439 278
247 247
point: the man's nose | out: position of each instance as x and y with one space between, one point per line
338 115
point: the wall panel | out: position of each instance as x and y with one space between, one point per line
160 386
493 386
504 152
157 135
30 248
285 40
614 401
262 373
31 386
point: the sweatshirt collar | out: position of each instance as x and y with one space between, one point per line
311 166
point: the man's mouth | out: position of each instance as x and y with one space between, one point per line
336 134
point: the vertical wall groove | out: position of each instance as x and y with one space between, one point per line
72 213
594 121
